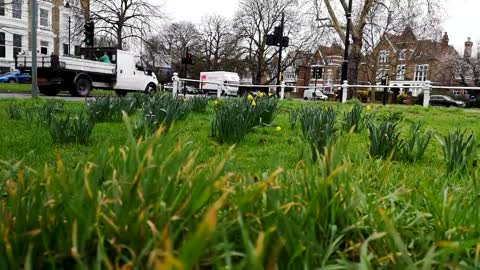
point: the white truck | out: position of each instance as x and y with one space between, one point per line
210 82
80 74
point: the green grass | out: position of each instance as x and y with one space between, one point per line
27 89
182 200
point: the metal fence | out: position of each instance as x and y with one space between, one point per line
424 88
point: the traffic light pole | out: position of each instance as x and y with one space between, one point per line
280 48
186 74
34 48
347 46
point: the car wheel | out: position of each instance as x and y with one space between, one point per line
83 87
150 89
12 81
305 98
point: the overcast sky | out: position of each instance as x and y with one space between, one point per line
462 15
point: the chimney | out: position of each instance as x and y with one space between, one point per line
444 43
468 48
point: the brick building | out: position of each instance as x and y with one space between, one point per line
326 58
403 60
53 28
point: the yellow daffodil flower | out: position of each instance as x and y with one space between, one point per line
278 128
369 108
260 94
216 102
254 103
250 97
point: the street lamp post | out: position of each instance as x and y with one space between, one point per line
34 48
69 34
347 45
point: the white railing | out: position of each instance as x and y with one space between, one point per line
422 87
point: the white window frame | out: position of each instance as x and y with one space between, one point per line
381 72
421 72
383 56
43 20
401 70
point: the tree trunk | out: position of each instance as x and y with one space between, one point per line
119 38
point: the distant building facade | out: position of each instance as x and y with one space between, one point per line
53 28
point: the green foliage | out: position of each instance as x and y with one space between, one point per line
389 116
293 115
161 110
233 120
354 119
414 146
74 128
401 98
49 110
384 139
199 104
109 109
14 111
266 109
318 128
458 150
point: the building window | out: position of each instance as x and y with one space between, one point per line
44 17
43 47
17 9
17 44
421 72
381 73
456 92
2 45
401 72
383 57
77 50
65 49
2 7
402 55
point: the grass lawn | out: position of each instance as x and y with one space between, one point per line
182 200
27 88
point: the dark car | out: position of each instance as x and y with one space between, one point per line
441 100
15 77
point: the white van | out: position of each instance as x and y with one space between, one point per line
210 82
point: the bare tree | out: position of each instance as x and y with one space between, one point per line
371 19
125 20
216 39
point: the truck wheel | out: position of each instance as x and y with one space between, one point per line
48 90
121 93
151 88
82 87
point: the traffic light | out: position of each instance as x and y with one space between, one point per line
188 60
89 33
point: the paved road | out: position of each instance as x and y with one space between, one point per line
25 96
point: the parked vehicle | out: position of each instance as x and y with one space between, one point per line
15 77
312 94
79 75
442 100
210 82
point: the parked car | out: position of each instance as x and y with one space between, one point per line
312 94
15 77
441 100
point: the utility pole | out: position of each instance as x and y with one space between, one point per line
34 48
347 46
280 48
69 33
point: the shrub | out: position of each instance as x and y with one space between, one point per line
413 148
233 119
74 128
401 98
318 128
199 104
354 119
14 111
384 139
109 109
458 150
